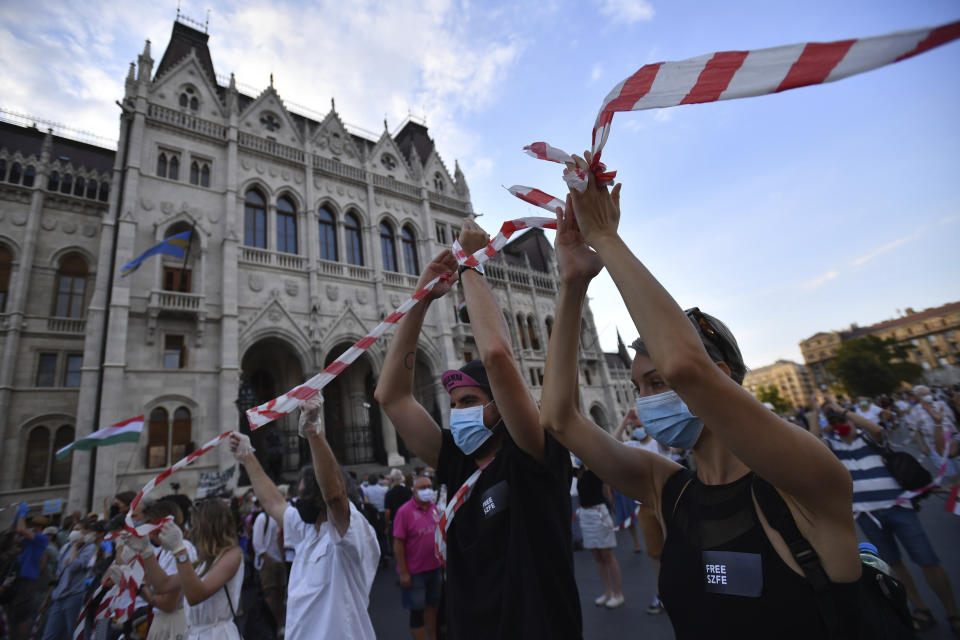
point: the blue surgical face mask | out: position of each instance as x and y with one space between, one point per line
469 432
640 434
668 421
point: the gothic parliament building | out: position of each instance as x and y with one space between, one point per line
305 236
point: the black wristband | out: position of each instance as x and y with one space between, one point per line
464 267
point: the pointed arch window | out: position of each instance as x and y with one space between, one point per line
532 329
180 434
388 247
162 165
6 267
37 459
521 329
79 187
327 226
29 175
205 175
71 286
15 173
438 182
194 172
54 182
354 240
104 191
3 169
409 242
60 469
157 433
255 220
549 323
66 184
286 226
92 189
173 168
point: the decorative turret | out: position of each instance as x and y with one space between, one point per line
131 79
416 164
145 64
460 182
47 146
232 97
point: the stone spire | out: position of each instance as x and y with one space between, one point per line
145 64
232 97
460 182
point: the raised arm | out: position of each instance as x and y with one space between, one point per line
788 457
395 387
325 466
629 470
272 501
514 401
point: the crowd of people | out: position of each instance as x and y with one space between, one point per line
748 517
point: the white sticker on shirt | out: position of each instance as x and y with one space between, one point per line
733 573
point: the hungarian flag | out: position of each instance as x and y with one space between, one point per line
126 431
953 502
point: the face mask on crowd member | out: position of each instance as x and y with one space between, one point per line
668 420
75 536
310 505
640 434
469 432
467 424
423 490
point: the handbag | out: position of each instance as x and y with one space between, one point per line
884 614
905 469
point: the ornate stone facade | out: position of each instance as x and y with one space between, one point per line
305 235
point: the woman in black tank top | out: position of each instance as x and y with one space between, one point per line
724 572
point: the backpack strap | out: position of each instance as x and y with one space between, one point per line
778 515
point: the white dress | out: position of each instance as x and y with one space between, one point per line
173 625
212 619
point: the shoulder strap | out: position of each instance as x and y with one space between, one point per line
778 515
233 611
672 490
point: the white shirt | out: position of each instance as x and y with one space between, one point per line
266 538
376 493
871 413
329 588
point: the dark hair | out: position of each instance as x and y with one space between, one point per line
312 489
163 508
734 359
182 501
126 497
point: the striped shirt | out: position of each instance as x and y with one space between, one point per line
873 486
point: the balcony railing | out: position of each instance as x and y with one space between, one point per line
401 280
337 168
273 258
175 301
186 121
392 184
447 201
270 147
67 325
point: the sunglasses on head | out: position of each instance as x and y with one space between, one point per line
710 332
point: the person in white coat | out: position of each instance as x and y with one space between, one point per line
336 548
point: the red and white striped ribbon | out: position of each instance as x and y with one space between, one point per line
727 75
446 517
291 400
953 500
81 618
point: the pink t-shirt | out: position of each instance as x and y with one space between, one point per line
416 526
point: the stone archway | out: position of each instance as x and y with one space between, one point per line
268 368
351 415
599 416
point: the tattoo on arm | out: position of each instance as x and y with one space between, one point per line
410 360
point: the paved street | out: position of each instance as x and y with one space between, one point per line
630 621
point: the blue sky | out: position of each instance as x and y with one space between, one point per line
783 215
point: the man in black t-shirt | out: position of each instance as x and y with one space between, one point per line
509 554
397 495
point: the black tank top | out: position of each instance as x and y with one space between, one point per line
721 578
590 489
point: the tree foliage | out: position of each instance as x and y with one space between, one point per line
772 395
866 366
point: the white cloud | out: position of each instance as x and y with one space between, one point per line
663 115
376 59
819 281
886 248
629 11
596 72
